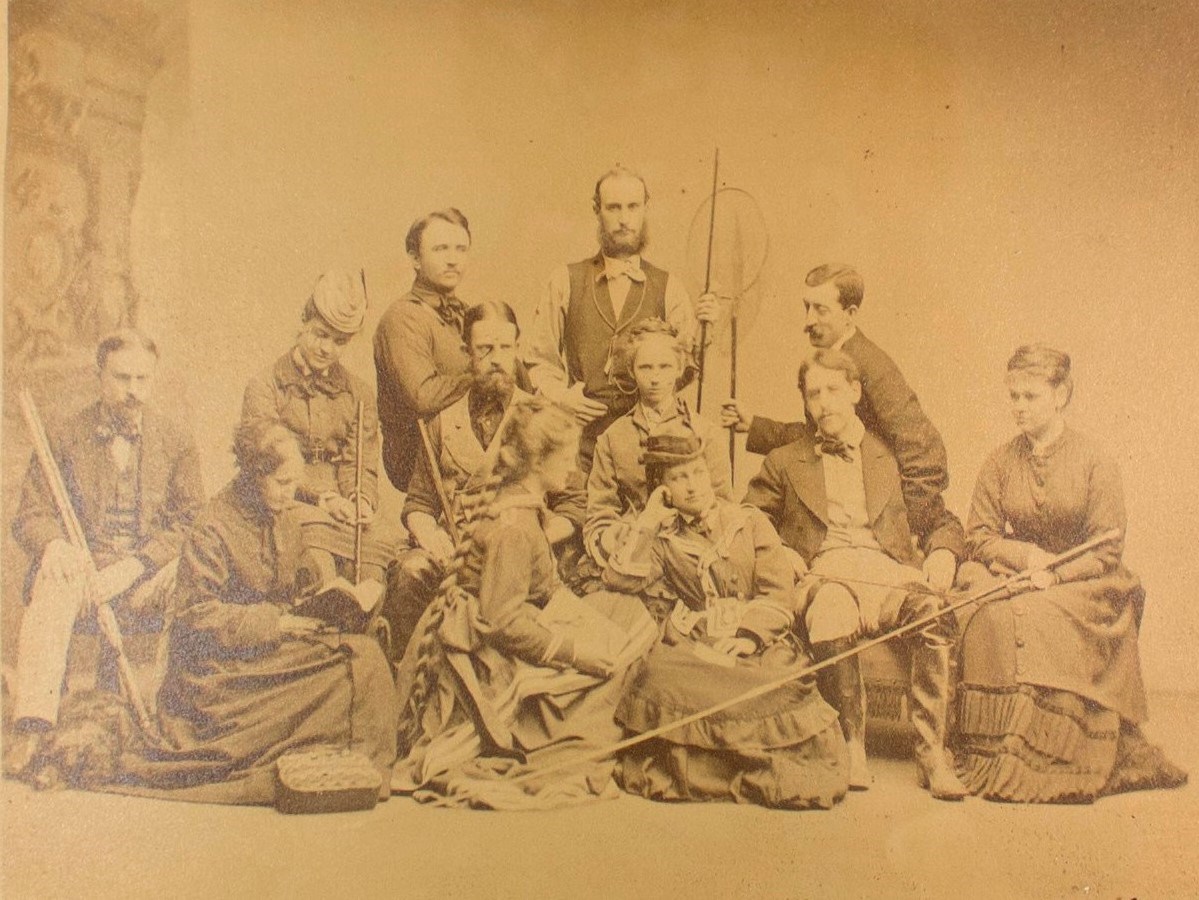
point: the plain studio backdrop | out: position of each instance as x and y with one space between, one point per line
1000 173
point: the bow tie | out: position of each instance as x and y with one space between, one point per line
833 447
452 311
115 427
614 268
320 383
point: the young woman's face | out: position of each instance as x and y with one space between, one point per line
690 487
278 488
557 467
1036 404
321 345
656 369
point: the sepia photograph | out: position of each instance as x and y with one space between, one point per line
616 449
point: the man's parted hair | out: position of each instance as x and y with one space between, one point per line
617 171
837 360
482 312
123 340
850 287
451 214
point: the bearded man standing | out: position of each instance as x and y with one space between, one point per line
589 303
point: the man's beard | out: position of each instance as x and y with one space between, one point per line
126 412
619 247
494 386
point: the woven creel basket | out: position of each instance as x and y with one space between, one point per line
325 779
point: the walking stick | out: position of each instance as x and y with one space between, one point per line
703 326
358 465
358 494
760 690
443 496
105 617
733 391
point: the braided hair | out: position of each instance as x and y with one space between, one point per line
532 431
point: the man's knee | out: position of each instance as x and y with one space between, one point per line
832 613
144 606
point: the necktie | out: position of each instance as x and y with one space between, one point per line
614 268
452 312
834 447
118 426
701 526
320 383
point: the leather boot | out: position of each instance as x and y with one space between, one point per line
929 706
842 686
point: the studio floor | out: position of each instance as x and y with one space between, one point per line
891 841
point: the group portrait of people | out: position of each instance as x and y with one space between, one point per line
581 603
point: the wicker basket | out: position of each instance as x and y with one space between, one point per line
326 779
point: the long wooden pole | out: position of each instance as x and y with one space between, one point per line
105 617
760 690
703 326
443 496
733 391
358 495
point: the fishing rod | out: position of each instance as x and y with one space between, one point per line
981 596
703 326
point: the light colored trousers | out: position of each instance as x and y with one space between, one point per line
49 623
877 585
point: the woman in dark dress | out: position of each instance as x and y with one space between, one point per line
248 679
1051 700
509 672
717 577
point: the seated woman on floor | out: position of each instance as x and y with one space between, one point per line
248 678
723 587
509 673
654 363
1051 699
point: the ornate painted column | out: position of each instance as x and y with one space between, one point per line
79 71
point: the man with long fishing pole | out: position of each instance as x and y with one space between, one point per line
835 497
587 304
132 480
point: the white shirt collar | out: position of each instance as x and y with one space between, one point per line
849 332
855 431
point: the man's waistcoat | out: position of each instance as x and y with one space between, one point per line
591 322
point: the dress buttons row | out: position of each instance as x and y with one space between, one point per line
1019 609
